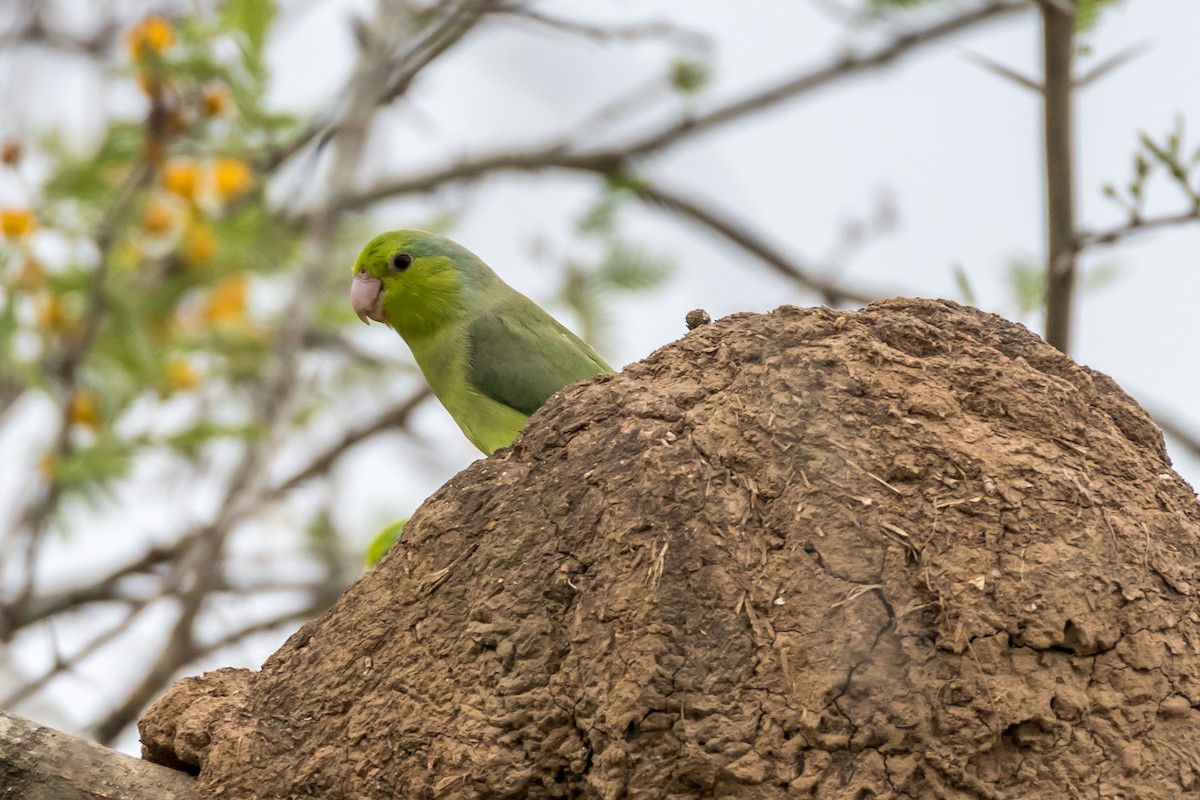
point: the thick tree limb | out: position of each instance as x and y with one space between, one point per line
38 763
1058 38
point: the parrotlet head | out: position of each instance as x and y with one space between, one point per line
416 281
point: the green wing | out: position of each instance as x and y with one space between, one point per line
519 356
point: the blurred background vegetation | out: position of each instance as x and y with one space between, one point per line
191 420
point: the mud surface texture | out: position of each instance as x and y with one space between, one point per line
910 551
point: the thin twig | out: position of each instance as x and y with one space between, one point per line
403 69
1134 227
607 33
1111 63
395 417
1188 439
559 154
1004 71
723 224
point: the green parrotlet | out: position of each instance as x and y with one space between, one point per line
490 354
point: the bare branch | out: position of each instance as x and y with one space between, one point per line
723 224
392 78
1063 7
607 33
66 665
558 153
1004 72
840 69
395 417
35 31
1058 50
1134 227
1189 440
104 590
1111 63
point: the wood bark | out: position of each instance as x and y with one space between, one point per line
1058 39
39 763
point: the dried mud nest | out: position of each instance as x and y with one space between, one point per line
910 551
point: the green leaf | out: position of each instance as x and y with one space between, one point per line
964 285
251 17
689 76
1100 276
191 441
1027 282
1088 13
630 268
383 542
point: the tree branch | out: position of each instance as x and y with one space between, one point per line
558 153
1058 38
1189 440
394 417
1134 227
403 69
723 224
607 33
40 763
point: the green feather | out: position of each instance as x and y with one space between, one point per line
491 355
520 359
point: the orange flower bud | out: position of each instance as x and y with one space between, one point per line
226 304
181 176
182 374
83 410
17 223
151 35
231 177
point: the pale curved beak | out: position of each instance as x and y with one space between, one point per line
366 296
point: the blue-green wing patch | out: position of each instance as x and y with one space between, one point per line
520 363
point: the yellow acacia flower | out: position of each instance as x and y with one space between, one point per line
182 374
84 410
226 303
17 223
199 244
181 176
151 35
231 177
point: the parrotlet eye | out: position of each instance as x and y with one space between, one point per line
401 261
